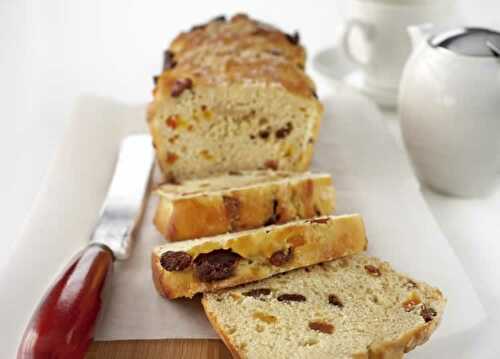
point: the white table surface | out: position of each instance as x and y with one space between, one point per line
53 51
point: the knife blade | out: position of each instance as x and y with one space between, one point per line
63 324
123 206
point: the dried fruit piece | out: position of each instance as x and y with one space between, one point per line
411 302
275 217
291 298
322 327
168 60
320 220
271 164
427 313
334 300
257 292
181 85
264 134
171 157
232 206
206 154
281 257
172 122
171 179
284 131
175 261
294 38
372 270
216 265
220 18
267 318
173 139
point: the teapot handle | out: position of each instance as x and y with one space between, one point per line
368 33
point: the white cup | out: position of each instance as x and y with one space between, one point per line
382 45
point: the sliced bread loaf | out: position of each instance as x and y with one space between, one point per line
182 269
233 96
352 308
239 201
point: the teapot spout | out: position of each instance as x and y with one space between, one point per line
419 33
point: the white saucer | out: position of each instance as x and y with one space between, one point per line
333 64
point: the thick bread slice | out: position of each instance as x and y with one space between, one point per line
240 201
355 307
182 269
234 96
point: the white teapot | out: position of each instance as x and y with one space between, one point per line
449 106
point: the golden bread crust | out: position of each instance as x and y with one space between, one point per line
238 50
212 318
209 213
396 349
224 84
311 243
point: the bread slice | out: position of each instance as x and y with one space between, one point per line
355 307
182 269
233 96
239 201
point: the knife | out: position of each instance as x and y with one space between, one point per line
63 324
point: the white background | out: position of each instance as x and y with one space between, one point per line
52 51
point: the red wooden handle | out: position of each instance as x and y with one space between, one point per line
63 324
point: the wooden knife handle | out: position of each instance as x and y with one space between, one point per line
63 324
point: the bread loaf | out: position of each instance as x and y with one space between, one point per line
352 308
239 201
233 96
182 269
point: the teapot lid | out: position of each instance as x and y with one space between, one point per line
469 41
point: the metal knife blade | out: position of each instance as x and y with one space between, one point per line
123 207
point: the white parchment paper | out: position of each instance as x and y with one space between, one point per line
371 174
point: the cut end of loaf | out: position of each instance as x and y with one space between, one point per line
353 307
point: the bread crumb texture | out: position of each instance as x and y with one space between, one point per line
233 96
337 309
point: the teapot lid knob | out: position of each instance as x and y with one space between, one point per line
469 41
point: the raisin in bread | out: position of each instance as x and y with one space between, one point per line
355 307
239 201
233 96
182 269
